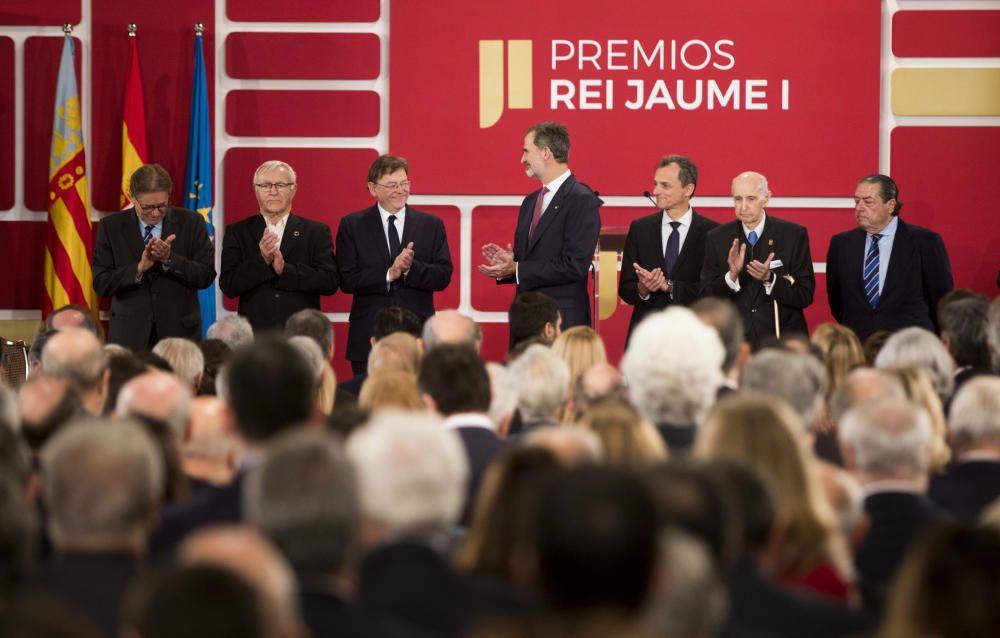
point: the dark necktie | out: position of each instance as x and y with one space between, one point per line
394 246
673 248
148 235
871 272
535 216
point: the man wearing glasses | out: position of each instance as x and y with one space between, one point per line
152 259
390 255
277 263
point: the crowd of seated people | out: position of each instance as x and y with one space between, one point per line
818 486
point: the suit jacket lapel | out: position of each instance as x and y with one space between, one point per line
692 233
409 228
131 234
900 248
372 226
290 238
552 211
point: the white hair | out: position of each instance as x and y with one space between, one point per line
313 354
233 330
541 381
412 473
798 379
921 348
272 164
503 397
974 419
673 367
184 356
890 438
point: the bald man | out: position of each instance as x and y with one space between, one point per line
451 326
761 263
76 355
211 450
156 395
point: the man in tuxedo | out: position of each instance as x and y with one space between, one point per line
152 260
761 263
557 229
885 274
390 255
277 263
664 251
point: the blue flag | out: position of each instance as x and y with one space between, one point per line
198 180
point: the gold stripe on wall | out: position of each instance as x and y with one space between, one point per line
946 91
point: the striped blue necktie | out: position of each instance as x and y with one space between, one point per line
871 272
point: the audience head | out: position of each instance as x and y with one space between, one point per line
993 331
581 348
411 472
245 552
974 421
46 404
312 323
101 483
503 397
233 330
541 380
600 383
795 378
76 355
73 316
269 386
679 384
452 327
216 353
305 498
596 541
533 314
917 386
626 438
122 368
842 352
454 377
864 384
724 317
312 353
887 439
921 348
394 319
964 326
751 502
35 351
210 441
573 446
397 351
874 344
185 358
390 390
157 395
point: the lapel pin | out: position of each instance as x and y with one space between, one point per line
295 234
770 242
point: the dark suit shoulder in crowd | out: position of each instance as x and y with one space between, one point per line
327 614
896 519
965 488
211 506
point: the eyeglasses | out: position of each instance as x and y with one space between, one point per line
160 207
394 185
281 186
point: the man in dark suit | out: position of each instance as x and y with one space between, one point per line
277 263
971 481
761 263
454 384
390 255
885 274
557 229
152 260
664 251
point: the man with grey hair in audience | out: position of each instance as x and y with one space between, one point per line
76 354
185 358
451 326
724 316
673 366
541 381
972 480
304 497
797 379
159 396
886 444
412 476
101 484
921 348
860 385
233 330
964 325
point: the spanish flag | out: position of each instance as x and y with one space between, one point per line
69 239
134 149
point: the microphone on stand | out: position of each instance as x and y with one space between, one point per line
650 198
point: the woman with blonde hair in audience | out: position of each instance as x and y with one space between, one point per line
919 390
581 348
627 438
842 352
810 553
390 389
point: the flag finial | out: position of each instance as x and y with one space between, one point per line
67 28
199 27
131 30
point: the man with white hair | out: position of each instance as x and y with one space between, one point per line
972 480
673 367
412 477
277 262
772 284
76 354
886 444
797 379
185 358
541 381
921 348
233 330
101 484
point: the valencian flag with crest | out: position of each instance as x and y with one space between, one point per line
69 239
